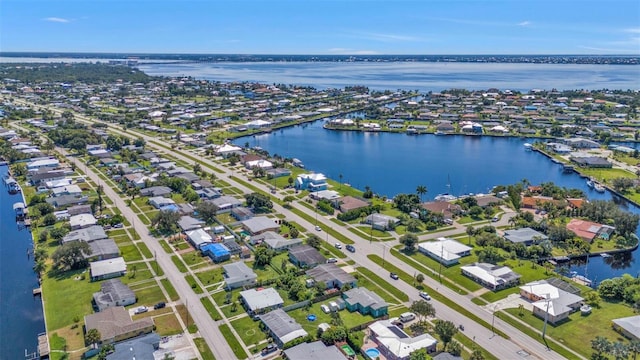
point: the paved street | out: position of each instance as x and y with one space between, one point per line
500 347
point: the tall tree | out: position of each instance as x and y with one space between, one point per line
409 241
92 337
445 330
71 256
423 309
421 190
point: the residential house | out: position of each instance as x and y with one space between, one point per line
79 209
114 325
276 173
188 223
487 200
160 202
332 275
491 276
199 238
282 327
89 234
305 256
260 224
208 193
113 293
588 230
381 222
445 251
629 327
316 350
216 251
138 348
394 344
274 241
106 269
102 249
550 301
312 182
591 161
526 236
157 191
71 190
43 164
241 213
238 274
225 203
536 202
348 203
43 175
82 221
447 209
365 302
580 143
258 301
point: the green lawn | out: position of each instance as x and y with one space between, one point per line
144 250
171 291
606 175
249 330
149 296
156 268
350 319
68 292
203 348
165 246
130 253
385 285
179 264
578 331
215 315
209 277
194 285
238 350
193 258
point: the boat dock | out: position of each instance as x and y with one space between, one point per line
43 346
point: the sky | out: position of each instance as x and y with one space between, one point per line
353 27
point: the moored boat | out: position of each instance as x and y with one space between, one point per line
599 188
528 146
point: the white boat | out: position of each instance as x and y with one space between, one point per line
605 255
527 146
445 197
599 188
590 183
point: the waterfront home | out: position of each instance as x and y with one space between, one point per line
227 150
274 241
278 172
491 276
536 202
580 143
348 203
260 164
365 302
591 161
238 274
72 190
330 195
526 236
333 276
305 256
258 301
89 234
282 327
225 203
316 350
114 324
198 238
113 293
552 299
394 344
381 221
216 251
106 269
44 175
312 182
629 327
260 224
82 221
447 209
588 230
445 251
43 164
487 200
142 346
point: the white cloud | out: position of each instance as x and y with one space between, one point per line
346 51
632 30
524 23
56 19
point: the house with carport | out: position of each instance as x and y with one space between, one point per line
491 276
395 344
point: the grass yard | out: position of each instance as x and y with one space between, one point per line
382 283
194 285
171 291
156 268
187 319
144 250
179 264
209 277
237 348
130 253
65 292
203 348
215 315
165 247
452 273
149 296
167 324
350 319
578 331
249 330
193 258
606 175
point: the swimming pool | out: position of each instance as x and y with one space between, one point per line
372 353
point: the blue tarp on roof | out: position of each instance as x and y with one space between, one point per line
217 252
173 208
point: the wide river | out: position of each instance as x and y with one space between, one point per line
21 318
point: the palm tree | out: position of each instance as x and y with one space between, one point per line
421 190
470 231
600 345
340 177
634 348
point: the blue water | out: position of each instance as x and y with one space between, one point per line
372 353
21 317
422 76
398 163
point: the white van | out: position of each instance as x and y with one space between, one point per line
406 317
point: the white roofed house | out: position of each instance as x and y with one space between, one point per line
282 327
445 251
82 221
258 124
227 150
238 274
551 301
261 164
491 276
225 203
394 343
199 238
106 269
260 224
258 301
43 163
381 221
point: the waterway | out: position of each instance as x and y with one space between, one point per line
421 76
391 163
21 317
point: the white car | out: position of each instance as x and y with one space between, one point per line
325 309
424 295
141 309
318 228
338 246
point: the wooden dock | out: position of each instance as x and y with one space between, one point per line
43 346
37 291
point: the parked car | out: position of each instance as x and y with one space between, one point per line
495 218
424 295
332 260
159 305
351 248
448 221
141 309
325 309
394 276
338 246
318 228
269 349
